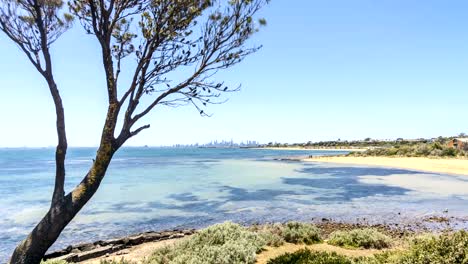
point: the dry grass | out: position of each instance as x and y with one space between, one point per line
272 252
136 253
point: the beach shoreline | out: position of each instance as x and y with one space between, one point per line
434 165
316 149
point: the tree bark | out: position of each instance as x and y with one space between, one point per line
61 150
33 248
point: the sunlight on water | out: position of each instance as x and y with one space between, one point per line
155 189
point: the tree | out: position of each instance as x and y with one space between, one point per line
192 37
462 135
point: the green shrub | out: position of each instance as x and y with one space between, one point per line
450 152
305 256
443 249
360 238
387 257
226 243
271 234
295 232
271 239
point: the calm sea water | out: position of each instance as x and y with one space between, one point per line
154 189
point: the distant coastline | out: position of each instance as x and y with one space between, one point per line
308 148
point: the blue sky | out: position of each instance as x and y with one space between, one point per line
329 69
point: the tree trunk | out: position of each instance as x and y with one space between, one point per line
33 248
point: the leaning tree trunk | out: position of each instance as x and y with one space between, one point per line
33 248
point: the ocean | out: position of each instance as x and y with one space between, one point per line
165 188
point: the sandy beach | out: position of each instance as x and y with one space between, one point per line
452 166
320 149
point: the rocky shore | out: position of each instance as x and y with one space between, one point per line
86 251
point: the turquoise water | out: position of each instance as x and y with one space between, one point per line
154 189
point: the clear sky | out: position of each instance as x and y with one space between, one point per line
329 69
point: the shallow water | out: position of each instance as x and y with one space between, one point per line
154 189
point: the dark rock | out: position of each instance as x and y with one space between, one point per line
123 252
85 247
99 248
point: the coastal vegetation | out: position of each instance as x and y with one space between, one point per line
230 243
301 233
421 144
447 248
435 149
349 144
306 256
222 243
360 238
147 41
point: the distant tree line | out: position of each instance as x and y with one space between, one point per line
436 147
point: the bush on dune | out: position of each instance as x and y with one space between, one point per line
296 232
418 150
305 256
270 233
271 239
444 249
226 243
360 238
293 232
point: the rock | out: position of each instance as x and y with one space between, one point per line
178 235
99 248
98 252
86 246
152 237
69 249
136 240
123 252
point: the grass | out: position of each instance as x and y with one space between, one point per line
305 256
54 262
360 238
